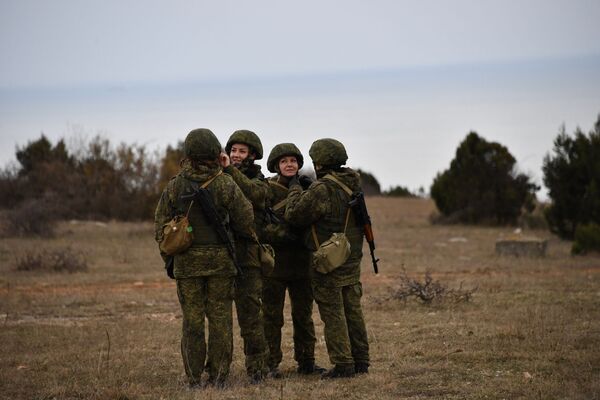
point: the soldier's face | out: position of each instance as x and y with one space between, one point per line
288 166
239 152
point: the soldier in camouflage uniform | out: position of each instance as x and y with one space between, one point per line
338 293
291 273
205 271
243 147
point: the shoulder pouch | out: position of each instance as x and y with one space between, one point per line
177 233
333 252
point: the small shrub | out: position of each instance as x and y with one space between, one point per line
63 260
399 191
587 238
369 184
535 219
36 217
430 291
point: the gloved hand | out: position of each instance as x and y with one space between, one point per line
170 273
305 181
169 267
293 181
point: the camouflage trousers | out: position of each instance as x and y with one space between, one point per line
301 299
206 297
248 306
345 330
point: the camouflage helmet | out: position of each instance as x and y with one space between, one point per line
248 138
201 144
329 152
281 150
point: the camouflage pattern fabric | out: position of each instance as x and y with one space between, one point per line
205 259
210 298
328 152
292 258
301 298
345 330
325 204
205 271
248 305
248 293
201 144
291 273
248 138
280 150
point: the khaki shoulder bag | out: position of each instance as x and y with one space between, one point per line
265 255
333 252
177 233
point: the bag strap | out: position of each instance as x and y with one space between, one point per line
257 241
340 184
203 186
279 205
279 185
348 191
275 183
314 231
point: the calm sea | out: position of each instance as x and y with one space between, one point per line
402 125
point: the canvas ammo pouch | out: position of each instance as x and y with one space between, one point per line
265 255
333 252
177 233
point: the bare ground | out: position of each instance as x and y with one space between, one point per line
531 330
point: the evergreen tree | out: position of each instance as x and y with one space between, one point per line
572 176
481 185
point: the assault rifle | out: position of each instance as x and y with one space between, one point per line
363 220
204 198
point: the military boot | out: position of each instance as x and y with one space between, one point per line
309 367
361 368
339 371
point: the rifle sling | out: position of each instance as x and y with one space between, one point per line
282 203
203 186
279 205
340 184
275 183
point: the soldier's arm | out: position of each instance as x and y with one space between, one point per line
241 214
305 207
256 190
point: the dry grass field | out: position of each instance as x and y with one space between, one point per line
531 330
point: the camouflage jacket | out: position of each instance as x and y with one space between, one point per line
207 254
292 258
325 204
254 187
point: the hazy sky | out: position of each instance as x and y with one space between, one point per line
66 42
399 82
